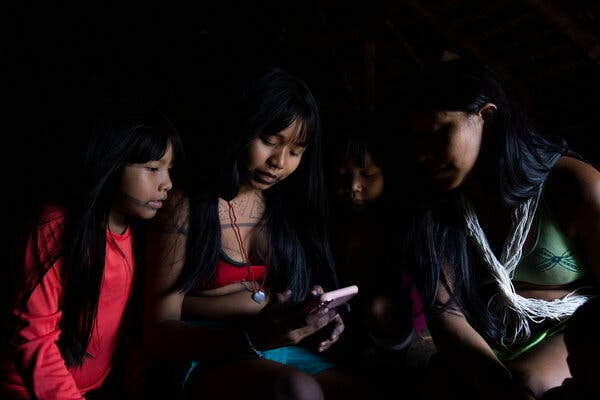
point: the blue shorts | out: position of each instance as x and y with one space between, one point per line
300 358
293 356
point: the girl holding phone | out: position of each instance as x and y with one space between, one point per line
235 258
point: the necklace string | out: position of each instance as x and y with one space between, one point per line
514 310
238 236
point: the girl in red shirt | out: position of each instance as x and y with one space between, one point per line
76 274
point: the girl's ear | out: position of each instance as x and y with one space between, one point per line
487 112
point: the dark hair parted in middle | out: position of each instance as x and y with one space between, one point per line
295 208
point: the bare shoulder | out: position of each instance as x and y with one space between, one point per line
576 180
574 191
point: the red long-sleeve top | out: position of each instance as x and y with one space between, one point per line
35 367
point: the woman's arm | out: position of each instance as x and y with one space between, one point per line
231 301
451 330
37 355
472 360
40 362
165 334
574 188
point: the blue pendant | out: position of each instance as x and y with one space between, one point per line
259 296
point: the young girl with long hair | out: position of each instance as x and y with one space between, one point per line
235 257
75 278
367 220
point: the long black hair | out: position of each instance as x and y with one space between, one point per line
295 220
122 133
513 163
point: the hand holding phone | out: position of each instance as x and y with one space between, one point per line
331 300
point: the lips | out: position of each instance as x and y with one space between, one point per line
357 204
356 200
265 177
155 204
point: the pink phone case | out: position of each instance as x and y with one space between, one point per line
332 299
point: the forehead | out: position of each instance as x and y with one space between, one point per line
169 154
353 161
424 120
167 158
295 133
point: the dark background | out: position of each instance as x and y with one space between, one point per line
354 55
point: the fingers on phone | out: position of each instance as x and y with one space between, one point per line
323 317
317 291
315 317
284 296
324 345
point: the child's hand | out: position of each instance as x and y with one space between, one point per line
324 338
278 326
337 327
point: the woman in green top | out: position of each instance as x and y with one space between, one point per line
504 205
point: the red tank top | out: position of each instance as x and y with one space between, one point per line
227 273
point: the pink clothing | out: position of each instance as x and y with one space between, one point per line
418 313
36 364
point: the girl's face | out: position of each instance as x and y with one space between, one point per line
359 186
447 144
143 189
271 159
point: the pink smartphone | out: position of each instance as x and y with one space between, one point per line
332 299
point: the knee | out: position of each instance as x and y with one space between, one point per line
296 385
536 382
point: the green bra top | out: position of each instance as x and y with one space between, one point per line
553 259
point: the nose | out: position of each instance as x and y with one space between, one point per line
277 158
165 183
356 184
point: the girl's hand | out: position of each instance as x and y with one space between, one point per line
278 326
334 328
337 327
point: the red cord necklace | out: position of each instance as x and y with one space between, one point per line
258 295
